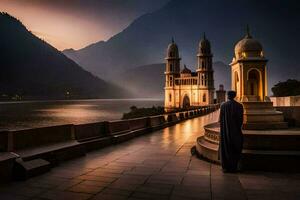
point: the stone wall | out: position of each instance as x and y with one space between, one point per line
24 139
286 101
10 140
291 114
58 143
91 130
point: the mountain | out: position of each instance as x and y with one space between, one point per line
149 80
272 22
33 69
146 81
222 75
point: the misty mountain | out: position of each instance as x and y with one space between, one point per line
222 75
273 22
149 80
144 81
33 69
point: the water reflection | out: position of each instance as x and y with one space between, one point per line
19 115
182 132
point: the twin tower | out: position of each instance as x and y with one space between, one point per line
184 88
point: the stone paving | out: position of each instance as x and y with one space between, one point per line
155 166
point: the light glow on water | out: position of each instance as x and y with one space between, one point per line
183 132
31 114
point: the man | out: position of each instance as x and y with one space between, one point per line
231 137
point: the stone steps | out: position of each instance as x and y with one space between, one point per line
26 169
257 105
7 161
263 160
261 116
207 150
265 126
279 140
287 161
267 150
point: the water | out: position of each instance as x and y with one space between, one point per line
32 114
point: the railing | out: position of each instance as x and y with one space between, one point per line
68 141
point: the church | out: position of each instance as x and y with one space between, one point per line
184 88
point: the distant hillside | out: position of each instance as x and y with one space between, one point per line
222 75
33 69
273 22
149 80
144 81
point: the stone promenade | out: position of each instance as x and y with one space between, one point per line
154 166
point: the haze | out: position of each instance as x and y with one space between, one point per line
77 23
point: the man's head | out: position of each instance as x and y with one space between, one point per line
231 94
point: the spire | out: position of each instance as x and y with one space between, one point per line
248 32
204 45
173 40
185 70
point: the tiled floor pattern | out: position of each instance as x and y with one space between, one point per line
155 166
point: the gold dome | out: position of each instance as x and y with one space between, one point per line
248 47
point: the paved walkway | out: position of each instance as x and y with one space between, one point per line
155 166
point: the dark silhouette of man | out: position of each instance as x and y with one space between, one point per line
231 136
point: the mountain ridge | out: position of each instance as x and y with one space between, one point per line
146 39
149 80
32 68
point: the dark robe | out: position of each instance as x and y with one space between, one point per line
231 137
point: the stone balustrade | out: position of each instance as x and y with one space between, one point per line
291 114
157 122
25 153
93 135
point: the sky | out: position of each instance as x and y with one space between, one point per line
77 23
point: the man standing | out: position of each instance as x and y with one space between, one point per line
231 137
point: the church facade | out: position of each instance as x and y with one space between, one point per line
184 88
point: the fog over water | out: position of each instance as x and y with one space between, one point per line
31 114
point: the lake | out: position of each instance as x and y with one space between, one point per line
32 114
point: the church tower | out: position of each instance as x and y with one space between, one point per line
205 72
172 72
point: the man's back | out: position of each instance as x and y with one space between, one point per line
231 138
232 113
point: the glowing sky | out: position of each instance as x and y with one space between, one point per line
77 23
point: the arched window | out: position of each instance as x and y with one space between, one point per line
170 97
204 98
253 82
236 81
171 67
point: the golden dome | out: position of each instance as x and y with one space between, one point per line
248 47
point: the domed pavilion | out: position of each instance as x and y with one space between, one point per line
268 142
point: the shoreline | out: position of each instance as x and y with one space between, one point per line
75 100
